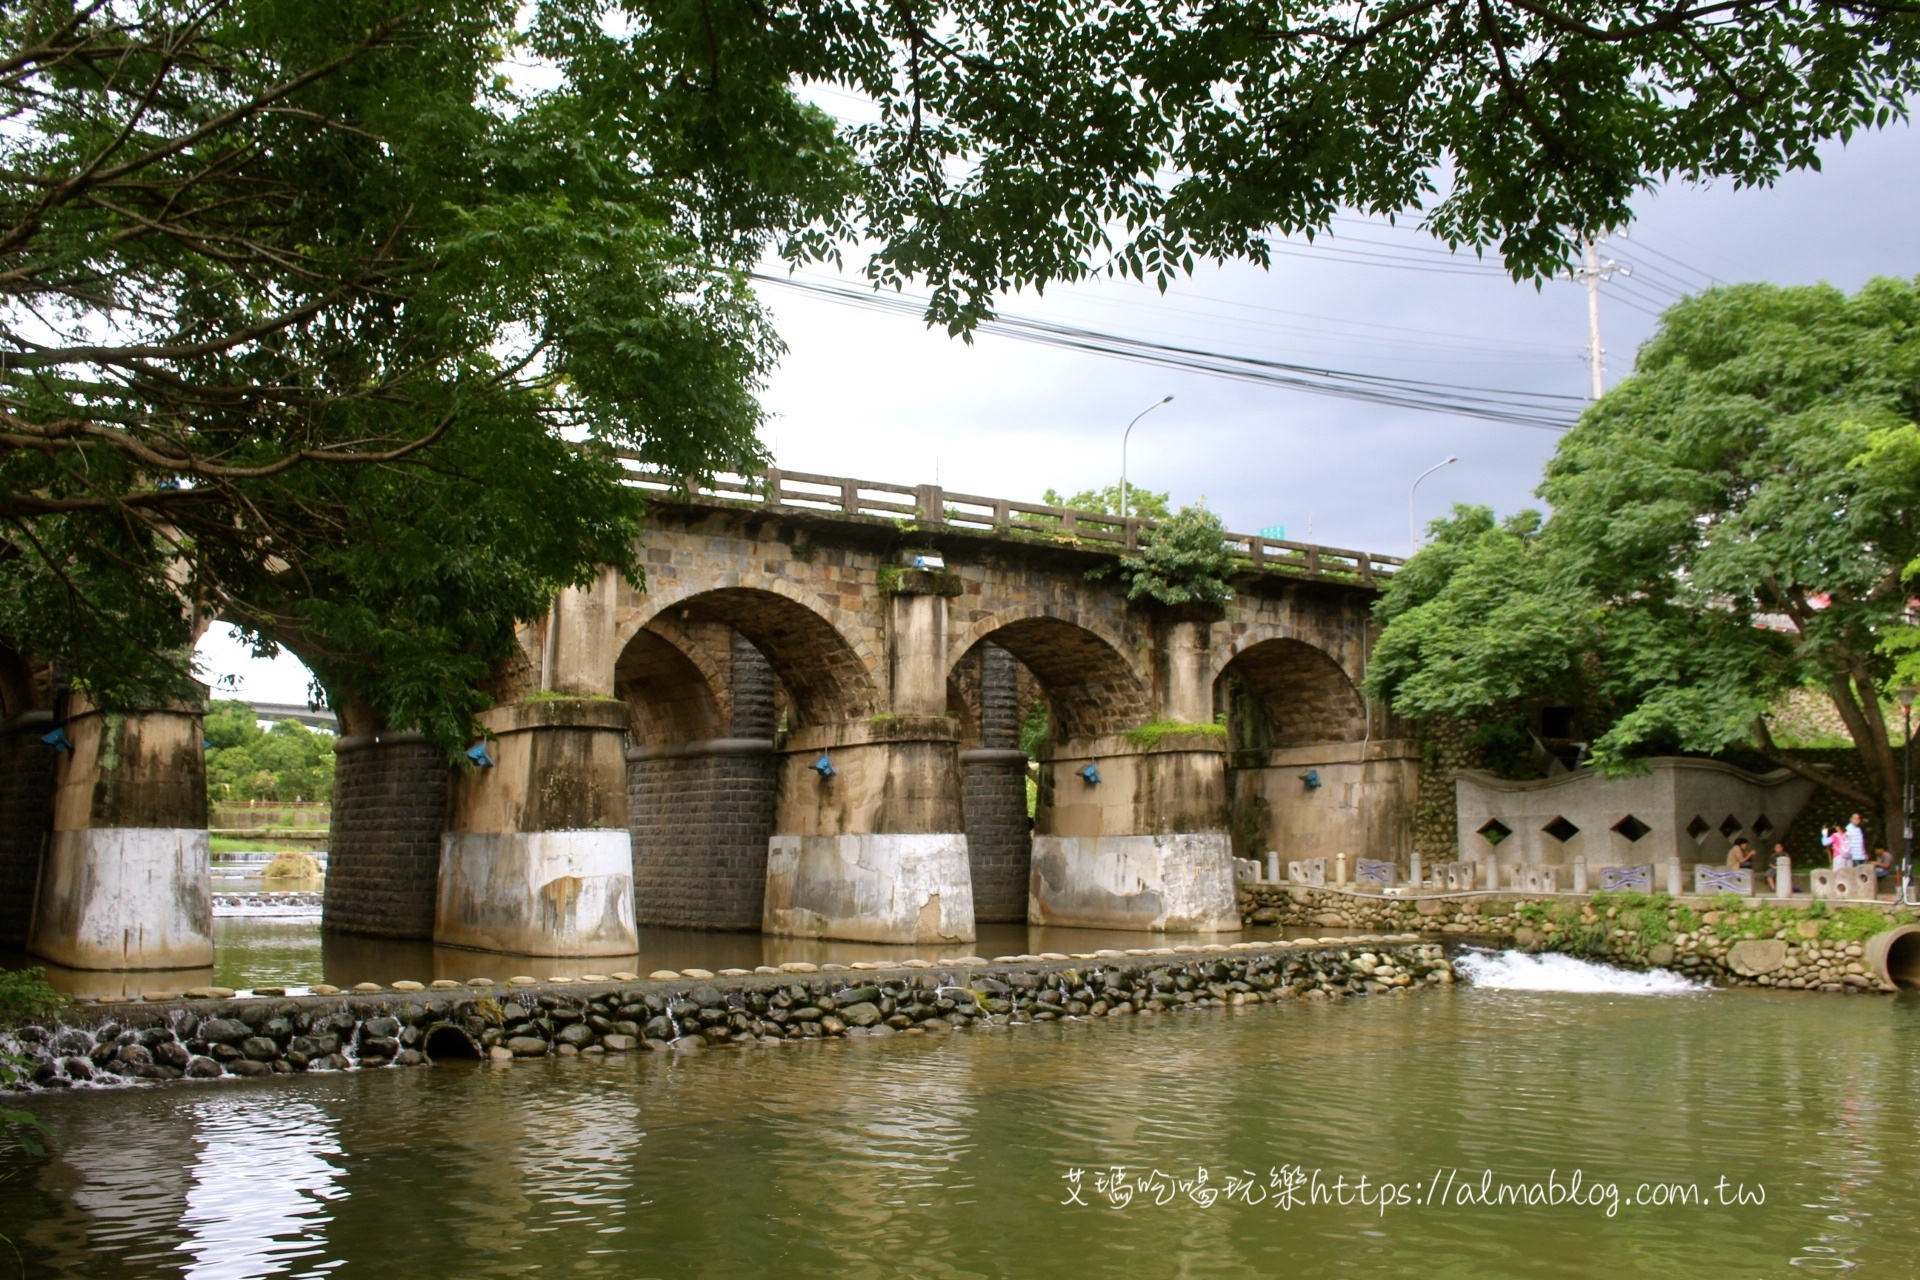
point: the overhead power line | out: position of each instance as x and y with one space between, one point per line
1543 410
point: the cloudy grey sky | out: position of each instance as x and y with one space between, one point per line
879 397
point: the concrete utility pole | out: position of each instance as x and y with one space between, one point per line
1592 272
1124 437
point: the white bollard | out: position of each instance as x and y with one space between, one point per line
1273 865
1579 873
1783 877
1492 873
1413 870
1675 885
1340 870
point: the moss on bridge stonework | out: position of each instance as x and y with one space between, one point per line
1823 945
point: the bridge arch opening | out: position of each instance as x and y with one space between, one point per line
673 688
1088 687
1287 693
821 679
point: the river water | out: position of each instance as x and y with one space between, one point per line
955 1155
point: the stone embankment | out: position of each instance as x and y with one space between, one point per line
1798 944
134 1042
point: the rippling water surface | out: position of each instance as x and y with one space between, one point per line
951 1156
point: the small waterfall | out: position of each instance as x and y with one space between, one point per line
1518 971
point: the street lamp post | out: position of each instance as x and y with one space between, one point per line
1124 436
1413 523
1906 697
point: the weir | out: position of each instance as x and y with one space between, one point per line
807 721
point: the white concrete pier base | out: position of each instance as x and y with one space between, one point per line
870 888
126 898
539 893
1179 883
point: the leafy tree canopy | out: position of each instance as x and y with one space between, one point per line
313 319
1731 522
244 762
1140 502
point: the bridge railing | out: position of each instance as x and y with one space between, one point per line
933 506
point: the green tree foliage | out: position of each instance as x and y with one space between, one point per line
244 762
314 320
1182 560
1731 522
1140 502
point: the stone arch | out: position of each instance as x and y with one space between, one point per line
827 677
1304 695
672 687
1090 687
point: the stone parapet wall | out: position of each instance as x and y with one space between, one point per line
383 859
167 1039
1797 945
700 827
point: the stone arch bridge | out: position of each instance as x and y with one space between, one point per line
810 722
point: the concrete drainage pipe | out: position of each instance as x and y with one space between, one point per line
1894 956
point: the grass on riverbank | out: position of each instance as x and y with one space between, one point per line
229 844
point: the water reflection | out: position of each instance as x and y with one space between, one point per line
261 1186
943 1155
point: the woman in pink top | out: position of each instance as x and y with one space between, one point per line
1836 842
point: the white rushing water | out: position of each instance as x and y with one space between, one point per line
1518 971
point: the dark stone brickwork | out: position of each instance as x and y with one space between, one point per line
993 798
999 841
389 809
752 691
26 815
700 826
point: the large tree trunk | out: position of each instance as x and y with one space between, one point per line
1857 699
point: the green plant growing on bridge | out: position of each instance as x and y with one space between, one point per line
1148 736
1182 561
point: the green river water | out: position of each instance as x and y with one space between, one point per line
955 1155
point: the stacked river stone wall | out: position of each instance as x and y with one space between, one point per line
135 1042
1799 945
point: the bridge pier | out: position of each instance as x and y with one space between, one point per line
126 880
389 813
1131 830
994 796
870 844
537 858
1141 847
702 813
27 768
